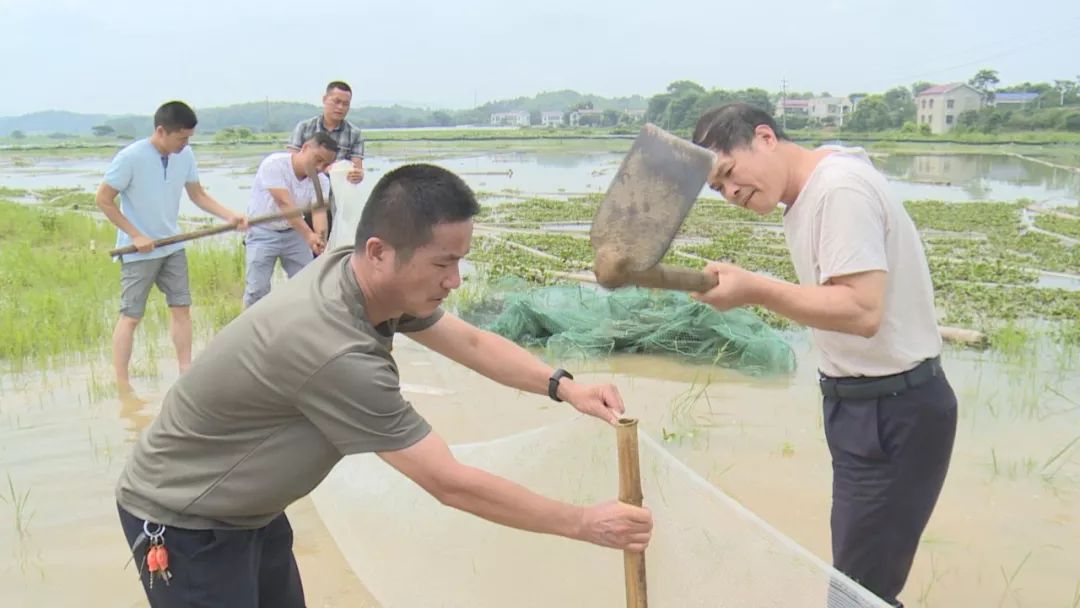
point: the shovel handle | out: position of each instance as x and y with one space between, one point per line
663 276
212 230
254 221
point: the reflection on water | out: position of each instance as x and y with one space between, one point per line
959 177
949 177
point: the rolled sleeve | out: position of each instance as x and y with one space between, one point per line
355 401
853 227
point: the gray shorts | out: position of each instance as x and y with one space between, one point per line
169 273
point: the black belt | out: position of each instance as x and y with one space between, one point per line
880 386
282 230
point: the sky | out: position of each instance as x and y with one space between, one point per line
128 56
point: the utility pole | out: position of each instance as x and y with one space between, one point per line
783 99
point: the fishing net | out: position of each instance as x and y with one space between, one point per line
583 321
707 550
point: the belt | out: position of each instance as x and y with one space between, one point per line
880 386
281 230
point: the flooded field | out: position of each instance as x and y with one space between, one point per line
1009 505
1005 533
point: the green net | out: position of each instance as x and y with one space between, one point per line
583 321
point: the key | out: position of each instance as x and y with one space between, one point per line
163 563
152 562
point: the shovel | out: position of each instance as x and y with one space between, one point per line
655 187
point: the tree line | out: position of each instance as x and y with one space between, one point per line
1055 107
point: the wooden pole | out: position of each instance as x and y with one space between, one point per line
630 493
254 221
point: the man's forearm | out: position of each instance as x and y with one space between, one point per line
297 221
507 363
828 307
505 502
319 222
210 205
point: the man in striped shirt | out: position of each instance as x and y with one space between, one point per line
336 104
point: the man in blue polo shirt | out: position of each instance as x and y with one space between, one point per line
149 175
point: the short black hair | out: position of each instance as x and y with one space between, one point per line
338 84
174 116
731 126
323 140
408 202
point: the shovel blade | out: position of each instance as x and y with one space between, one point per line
649 197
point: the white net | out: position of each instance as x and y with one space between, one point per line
707 550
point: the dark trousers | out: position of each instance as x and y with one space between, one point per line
891 440
212 568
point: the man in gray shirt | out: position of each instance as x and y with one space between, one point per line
332 122
864 288
292 385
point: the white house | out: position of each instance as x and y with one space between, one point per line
552 118
793 107
829 109
510 119
591 116
940 106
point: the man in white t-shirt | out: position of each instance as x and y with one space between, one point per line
864 288
281 184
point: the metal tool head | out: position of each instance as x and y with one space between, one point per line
654 189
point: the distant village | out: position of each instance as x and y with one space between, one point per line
558 118
938 107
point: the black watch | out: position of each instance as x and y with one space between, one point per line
553 383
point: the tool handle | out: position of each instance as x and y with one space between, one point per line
212 230
630 493
663 276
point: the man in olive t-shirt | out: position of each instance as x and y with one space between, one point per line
306 376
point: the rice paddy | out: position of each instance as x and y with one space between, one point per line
1005 526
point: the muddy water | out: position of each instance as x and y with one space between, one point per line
947 177
761 441
65 441
1009 506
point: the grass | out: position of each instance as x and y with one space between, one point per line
1046 471
20 510
984 263
13 192
685 424
1011 578
935 578
68 295
540 210
1059 225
